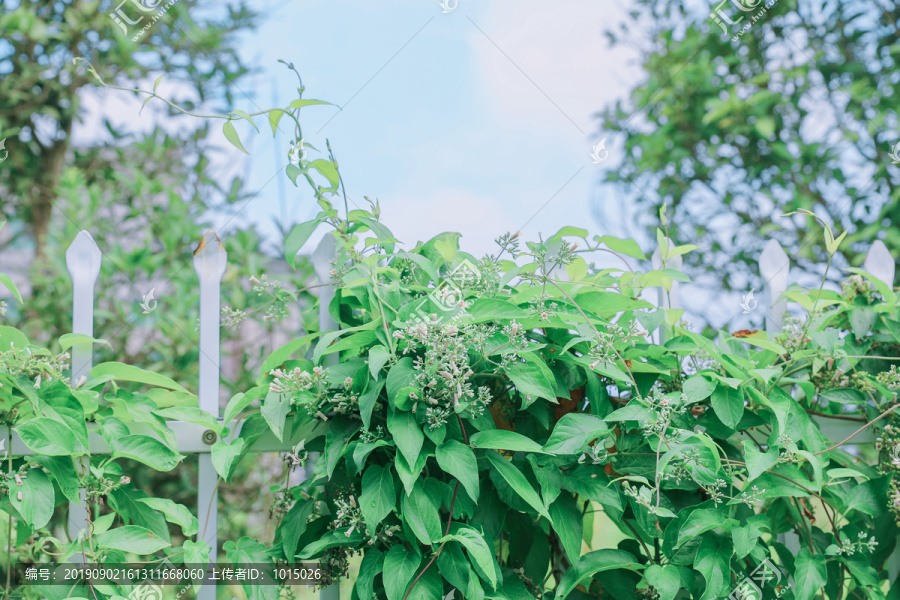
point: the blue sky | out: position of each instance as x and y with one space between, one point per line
478 120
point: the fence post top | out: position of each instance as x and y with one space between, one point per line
210 258
83 257
880 263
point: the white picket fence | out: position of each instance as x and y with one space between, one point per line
83 260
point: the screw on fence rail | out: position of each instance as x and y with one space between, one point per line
667 300
210 260
774 268
322 256
83 259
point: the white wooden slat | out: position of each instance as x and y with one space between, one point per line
774 268
880 263
83 258
667 300
322 256
210 260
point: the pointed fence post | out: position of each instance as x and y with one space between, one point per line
774 268
667 300
321 260
210 261
83 259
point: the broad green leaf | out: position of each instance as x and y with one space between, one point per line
67 340
592 563
626 247
400 567
531 382
458 460
248 551
700 521
378 356
809 575
420 512
293 526
407 434
225 456
698 388
372 564
713 561
501 439
758 462
38 498
367 401
62 469
147 450
174 513
376 501
479 552
123 372
131 538
400 377
47 436
568 524
7 282
297 237
190 414
666 580
274 410
728 404
574 432
517 482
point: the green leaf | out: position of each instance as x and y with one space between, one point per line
517 482
123 372
400 566
300 103
698 388
293 526
47 436
728 404
378 356
700 521
843 396
62 469
501 439
574 432
666 580
147 450
337 440
38 498
530 380
376 501
479 552
174 513
248 551
232 136
568 523
131 538
421 514
8 284
297 237
274 410
407 434
274 117
626 247
67 340
401 376
608 304
593 563
190 414
809 575
225 456
758 462
367 401
458 460
713 561
372 564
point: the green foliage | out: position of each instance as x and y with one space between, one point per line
731 131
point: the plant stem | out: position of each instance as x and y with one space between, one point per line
852 435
